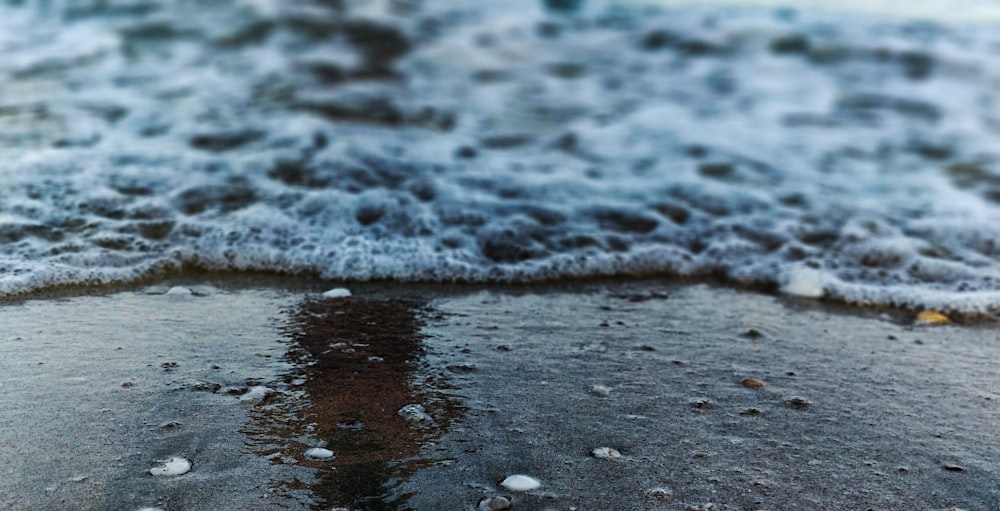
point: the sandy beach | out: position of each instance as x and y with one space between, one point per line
706 398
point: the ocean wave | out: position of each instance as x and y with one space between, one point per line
833 156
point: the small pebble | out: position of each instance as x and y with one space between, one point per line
338 292
797 402
415 414
319 454
600 391
179 291
659 494
932 318
753 383
708 506
494 504
173 467
170 425
520 482
752 411
954 468
701 403
606 453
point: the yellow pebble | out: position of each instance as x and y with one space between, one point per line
930 317
753 383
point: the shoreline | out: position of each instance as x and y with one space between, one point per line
892 416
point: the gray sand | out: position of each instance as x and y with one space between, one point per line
898 417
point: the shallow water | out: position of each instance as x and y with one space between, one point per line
827 154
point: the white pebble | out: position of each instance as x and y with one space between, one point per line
337 292
173 467
606 453
179 291
319 453
520 482
600 391
415 414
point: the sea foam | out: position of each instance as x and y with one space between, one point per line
826 155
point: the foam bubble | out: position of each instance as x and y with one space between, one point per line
806 282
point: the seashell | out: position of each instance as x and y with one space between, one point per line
337 292
932 318
606 453
172 467
494 504
318 454
520 482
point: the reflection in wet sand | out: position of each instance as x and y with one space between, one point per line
359 360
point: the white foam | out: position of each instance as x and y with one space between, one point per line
515 160
805 282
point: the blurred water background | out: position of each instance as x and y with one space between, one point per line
833 149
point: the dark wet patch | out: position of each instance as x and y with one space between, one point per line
254 33
380 111
791 44
624 221
155 230
676 213
509 246
225 198
225 141
506 141
368 214
864 104
12 232
567 70
379 43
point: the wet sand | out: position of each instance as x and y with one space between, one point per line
859 409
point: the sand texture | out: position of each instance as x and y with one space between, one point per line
693 396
